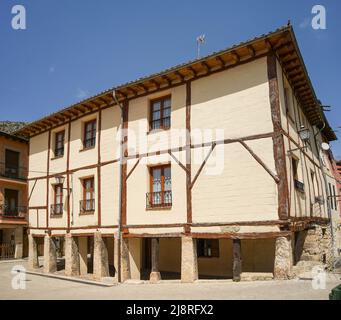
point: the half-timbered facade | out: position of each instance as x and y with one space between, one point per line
13 196
204 170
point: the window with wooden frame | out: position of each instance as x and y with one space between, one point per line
334 198
87 205
59 144
89 139
160 113
289 104
299 186
57 207
160 195
331 201
208 248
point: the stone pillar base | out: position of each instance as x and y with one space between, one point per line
283 259
18 254
101 262
116 256
50 255
33 262
125 263
155 277
71 256
189 261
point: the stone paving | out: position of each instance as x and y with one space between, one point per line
38 287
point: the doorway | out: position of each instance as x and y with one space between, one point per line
146 258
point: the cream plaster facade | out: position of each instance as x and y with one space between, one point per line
234 188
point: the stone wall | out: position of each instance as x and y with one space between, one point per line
313 248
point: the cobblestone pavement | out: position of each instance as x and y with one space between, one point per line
38 287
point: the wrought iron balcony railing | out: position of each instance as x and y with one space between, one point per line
299 185
56 210
159 199
87 206
13 172
13 212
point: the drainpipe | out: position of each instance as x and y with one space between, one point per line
329 211
120 188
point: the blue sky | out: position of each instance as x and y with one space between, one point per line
74 49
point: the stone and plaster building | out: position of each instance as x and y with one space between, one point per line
210 169
13 195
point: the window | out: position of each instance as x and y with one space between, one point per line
331 196
89 134
160 195
334 195
87 205
288 104
294 168
299 186
160 113
12 164
59 144
313 181
57 207
208 248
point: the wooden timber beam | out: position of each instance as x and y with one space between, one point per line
221 61
251 50
278 140
203 164
194 72
177 160
260 161
166 78
155 83
180 75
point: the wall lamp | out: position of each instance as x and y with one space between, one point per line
61 180
304 135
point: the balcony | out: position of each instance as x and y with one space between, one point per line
87 206
56 210
9 212
159 200
13 172
299 186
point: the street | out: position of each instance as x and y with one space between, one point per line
38 287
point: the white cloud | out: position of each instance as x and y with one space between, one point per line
81 94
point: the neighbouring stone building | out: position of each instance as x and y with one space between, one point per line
13 192
210 169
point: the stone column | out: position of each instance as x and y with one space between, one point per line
50 255
83 255
237 260
101 263
155 275
283 258
33 262
116 256
125 264
18 243
71 256
189 260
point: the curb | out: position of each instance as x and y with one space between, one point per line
13 261
72 279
